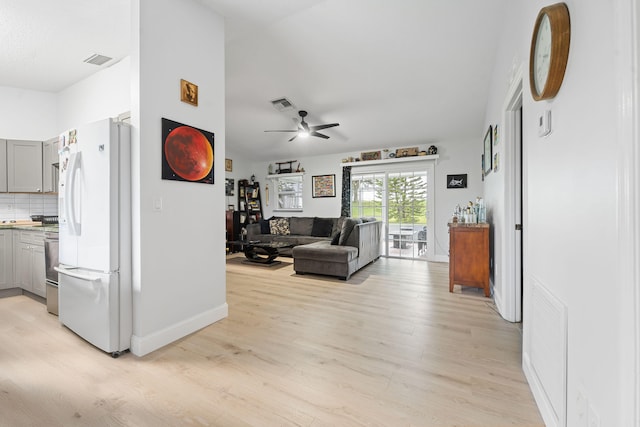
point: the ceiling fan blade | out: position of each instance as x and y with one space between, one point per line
320 127
319 135
281 131
294 137
304 125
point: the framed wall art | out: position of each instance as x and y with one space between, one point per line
371 155
457 181
407 152
188 92
229 185
228 165
488 147
324 185
187 153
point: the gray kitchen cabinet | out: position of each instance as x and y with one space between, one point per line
3 165
24 166
6 259
50 166
29 263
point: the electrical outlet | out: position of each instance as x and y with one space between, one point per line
594 419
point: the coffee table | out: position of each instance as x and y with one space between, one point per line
263 253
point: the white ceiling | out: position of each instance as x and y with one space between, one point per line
392 73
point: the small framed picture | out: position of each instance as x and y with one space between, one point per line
229 186
324 186
371 155
188 92
406 152
228 165
488 148
457 181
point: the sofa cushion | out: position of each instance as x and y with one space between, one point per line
347 228
324 252
322 227
301 225
279 226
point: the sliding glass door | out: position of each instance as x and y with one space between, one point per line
401 198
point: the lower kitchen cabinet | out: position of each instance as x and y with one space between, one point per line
29 262
6 259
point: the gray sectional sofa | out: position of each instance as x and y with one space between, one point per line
357 245
328 246
294 230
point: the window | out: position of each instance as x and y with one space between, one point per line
288 192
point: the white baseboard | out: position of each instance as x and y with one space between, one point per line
145 345
544 406
440 258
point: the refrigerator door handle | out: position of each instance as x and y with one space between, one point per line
70 193
66 272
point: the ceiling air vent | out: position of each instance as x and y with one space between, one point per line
96 59
282 104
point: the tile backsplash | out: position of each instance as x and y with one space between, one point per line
22 206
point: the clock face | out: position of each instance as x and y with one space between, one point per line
542 55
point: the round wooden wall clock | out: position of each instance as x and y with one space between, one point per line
549 51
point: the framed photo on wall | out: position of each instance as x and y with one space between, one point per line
324 185
457 181
488 147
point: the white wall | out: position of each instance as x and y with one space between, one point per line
27 114
456 157
179 254
101 95
570 209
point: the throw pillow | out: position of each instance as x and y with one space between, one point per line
279 226
322 227
336 238
264 227
337 225
347 228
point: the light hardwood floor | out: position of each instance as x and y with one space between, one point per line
390 347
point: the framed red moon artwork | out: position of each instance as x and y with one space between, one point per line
187 153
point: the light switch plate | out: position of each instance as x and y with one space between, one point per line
544 123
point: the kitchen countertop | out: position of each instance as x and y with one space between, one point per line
51 228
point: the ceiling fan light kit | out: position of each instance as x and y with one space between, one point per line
305 130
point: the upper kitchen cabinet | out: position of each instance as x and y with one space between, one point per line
24 166
50 166
3 166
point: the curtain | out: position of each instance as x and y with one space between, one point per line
346 191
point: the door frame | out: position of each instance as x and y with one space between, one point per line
627 18
509 304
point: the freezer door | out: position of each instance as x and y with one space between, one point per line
89 197
90 305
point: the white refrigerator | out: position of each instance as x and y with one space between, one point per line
94 202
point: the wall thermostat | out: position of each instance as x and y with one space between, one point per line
544 123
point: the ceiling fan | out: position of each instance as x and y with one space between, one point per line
305 130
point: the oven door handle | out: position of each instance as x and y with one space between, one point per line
66 272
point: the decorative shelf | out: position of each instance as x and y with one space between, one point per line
284 175
393 160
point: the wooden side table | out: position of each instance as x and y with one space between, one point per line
469 256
